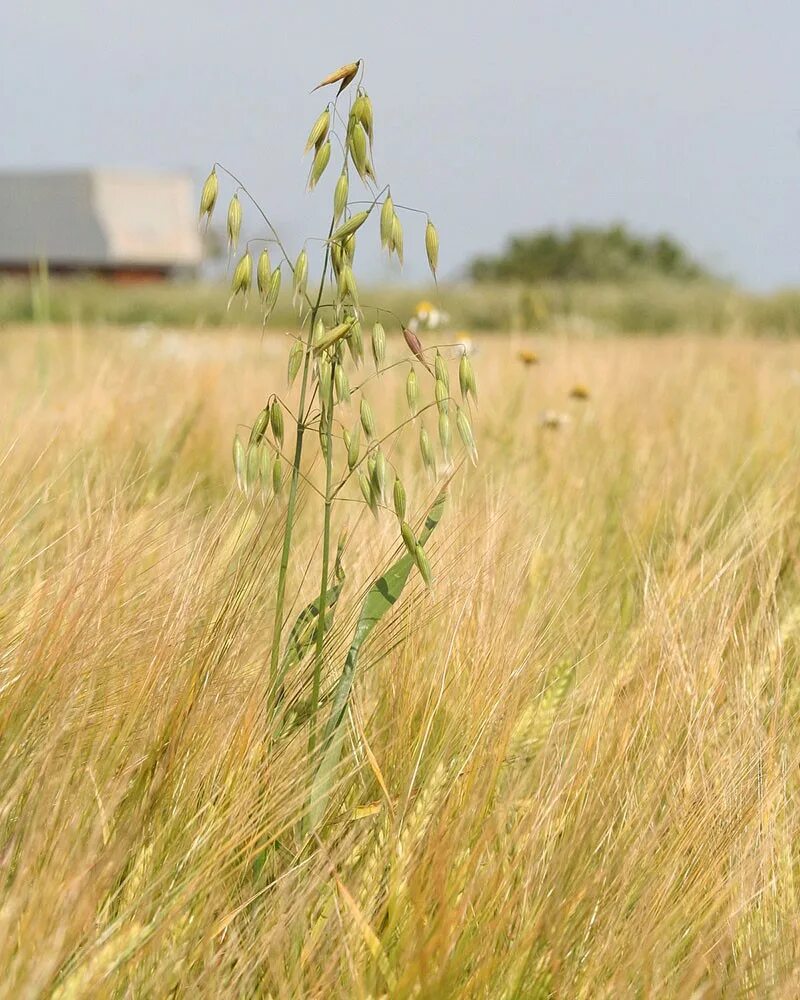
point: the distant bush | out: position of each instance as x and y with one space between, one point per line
587 254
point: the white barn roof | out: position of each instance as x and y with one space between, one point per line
98 218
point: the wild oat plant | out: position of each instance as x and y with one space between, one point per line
333 411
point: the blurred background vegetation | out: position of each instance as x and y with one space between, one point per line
590 281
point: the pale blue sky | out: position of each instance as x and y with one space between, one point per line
496 116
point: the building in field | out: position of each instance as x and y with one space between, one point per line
123 225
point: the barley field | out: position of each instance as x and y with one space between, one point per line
571 767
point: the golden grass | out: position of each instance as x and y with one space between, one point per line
572 770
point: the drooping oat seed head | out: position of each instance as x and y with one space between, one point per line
350 226
466 435
208 196
353 444
341 384
277 476
263 272
253 471
295 360
242 276
346 74
320 162
324 376
355 342
399 496
366 491
426 450
276 422
273 292
409 538
340 193
432 247
379 476
260 425
412 391
440 370
300 275
323 339
367 419
444 435
442 397
234 222
466 379
357 143
239 462
423 565
397 237
378 344
319 131
387 215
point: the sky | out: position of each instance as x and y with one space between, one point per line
495 117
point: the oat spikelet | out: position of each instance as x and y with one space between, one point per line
345 74
208 196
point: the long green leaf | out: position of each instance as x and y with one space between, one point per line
304 630
382 595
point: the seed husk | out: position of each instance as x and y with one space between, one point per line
399 494
441 372
466 435
321 160
239 462
234 222
295 360
340 193
353 223
378 344
387 216
319 131
263 272
432 247
409 538
349 248
367 419
412 391
423 565
444 434
208 196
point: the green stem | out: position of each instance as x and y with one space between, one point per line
323 587
275 679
